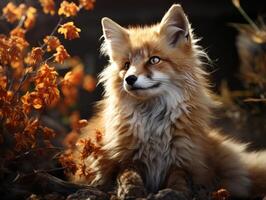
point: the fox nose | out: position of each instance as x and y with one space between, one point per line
131 79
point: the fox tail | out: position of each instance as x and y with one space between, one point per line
256 166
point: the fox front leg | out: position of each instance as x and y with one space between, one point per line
177 180
130 185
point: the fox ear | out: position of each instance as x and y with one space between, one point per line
114 34
175 24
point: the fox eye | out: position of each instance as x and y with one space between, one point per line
126 65
154 60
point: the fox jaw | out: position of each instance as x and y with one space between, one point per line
152 61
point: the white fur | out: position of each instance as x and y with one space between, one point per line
151 123
143 82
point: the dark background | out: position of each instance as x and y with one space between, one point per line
210 20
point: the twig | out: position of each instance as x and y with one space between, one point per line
247 18
41 181
49 170
37 149
255 100
51 57
22 80
53 31
21 21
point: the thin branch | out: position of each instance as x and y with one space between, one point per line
247 18
21 82
255 100
50 58
42 181
37 149
21 21
53 31
49 170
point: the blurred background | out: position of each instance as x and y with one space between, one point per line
236 48
210 20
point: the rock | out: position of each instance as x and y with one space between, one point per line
52 196
167 194
85 194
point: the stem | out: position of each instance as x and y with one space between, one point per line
254 100
8 74
37 149
21 83
51 57
54 30
49 170
21 21
58 24
247 18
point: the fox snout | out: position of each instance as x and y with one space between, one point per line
131 79
137 82
141 82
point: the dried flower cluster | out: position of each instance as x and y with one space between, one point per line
13 13
31 82
48 6
52 43
87 148
87 4
69 30
68 9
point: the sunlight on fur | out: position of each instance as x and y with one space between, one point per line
155 114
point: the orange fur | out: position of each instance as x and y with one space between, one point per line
166 127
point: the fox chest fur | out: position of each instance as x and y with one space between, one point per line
153 127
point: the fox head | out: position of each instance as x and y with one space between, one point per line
151 61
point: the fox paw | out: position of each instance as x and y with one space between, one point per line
131 192
130 186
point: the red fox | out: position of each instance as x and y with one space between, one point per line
155 114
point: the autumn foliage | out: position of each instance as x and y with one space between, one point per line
32 82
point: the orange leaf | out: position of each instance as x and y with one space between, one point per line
37 103
52 42
89 83
18 32
48 6
31 18
68 9
87 4
61 54
13 13
69 30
